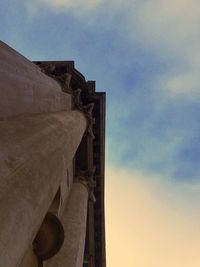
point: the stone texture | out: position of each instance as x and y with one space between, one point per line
39 137
29 260
65 186
74 223
25 89
35 152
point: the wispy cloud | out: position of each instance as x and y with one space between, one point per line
78 6
169 29
145 54
181 83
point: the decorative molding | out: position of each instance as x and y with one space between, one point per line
83 94
86 109
64 79
87 178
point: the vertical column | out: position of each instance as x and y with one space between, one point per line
74 223
35 154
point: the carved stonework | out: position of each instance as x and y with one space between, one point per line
48 69
90 152
87 178
86 109
64 79
77 99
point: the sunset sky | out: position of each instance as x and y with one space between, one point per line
146 55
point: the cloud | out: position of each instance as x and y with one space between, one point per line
151 221
181 83
169 29
145 135
147 52
145 129
86 5
62 5
169 22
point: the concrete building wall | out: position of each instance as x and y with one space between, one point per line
74 222
39 135
25 89
29 259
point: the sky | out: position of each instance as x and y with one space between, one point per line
145 55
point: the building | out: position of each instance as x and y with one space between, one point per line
52 138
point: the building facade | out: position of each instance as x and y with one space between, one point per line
52 154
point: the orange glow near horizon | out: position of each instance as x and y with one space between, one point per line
150 222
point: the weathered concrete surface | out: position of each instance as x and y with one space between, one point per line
29 260
24 89
35 152
65 186
74 223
